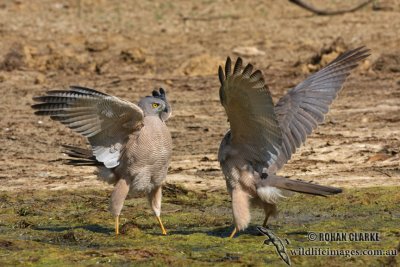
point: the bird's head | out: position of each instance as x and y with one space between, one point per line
156 105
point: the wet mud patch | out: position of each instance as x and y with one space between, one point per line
197 231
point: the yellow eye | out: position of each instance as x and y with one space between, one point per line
155 105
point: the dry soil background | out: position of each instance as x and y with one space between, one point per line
127 48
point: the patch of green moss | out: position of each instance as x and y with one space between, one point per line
64 228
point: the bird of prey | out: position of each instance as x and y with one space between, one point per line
130 144
263 137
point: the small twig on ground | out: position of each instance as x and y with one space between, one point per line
385 173
184 18
320 12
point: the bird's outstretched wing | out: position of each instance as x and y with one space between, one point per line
304 106
248 104
105 120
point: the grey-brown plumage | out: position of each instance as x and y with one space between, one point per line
131 144
263 137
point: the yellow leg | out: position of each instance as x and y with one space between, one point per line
117 225
233 233
161 225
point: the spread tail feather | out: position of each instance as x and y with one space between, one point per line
300 186
80 156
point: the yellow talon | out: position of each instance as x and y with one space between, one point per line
117 225
161 225
233 233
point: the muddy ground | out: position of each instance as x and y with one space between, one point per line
128 48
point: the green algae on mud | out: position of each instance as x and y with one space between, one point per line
64 228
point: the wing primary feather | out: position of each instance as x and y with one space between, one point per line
91 132
84 129
308 118
85 90
285 147
290 142
259 84
247 70
335 75
228 66
77 152
73 124
357 52
300 129
322 107
49 106
221 75
65 114
238 66
325 96
347 53
296 135
317 114
71 119
257 75
46 113
307 124
54 99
